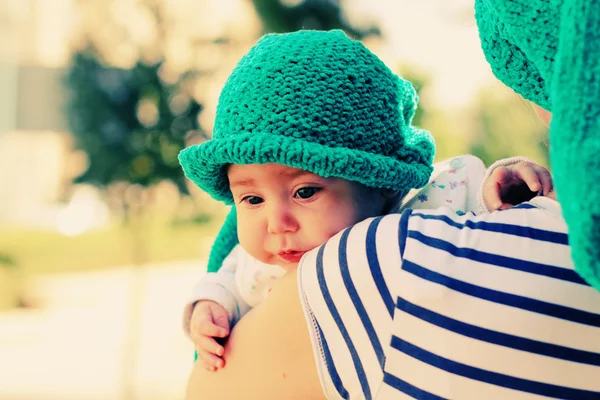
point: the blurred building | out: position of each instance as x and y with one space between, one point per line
34 145
435 36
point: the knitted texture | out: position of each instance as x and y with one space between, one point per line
549 52
317 101
225 241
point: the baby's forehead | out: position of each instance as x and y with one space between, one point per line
269 169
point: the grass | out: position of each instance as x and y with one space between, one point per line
37 252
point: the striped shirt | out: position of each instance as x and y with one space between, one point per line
431 305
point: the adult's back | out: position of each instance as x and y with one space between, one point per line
426 304
455 307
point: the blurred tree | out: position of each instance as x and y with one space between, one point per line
498 124
428 117
130 123
288 16
505 126
16 288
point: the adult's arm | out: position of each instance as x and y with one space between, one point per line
268 355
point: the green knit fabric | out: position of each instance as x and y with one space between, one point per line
318 101
549 52
225 241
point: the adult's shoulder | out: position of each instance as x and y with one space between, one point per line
350 286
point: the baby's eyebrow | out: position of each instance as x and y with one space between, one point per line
297 174
242 182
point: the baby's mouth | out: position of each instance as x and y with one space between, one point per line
291 256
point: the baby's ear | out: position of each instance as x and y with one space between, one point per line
391 200
389 193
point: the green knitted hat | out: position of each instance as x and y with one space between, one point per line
549 52
317 101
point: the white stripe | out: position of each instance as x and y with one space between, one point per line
495 358
369 295
498 243
361 279
306 284
444 384
342 357
390 393
388 252
498 317
505 279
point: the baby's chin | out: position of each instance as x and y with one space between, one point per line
276 260
289 266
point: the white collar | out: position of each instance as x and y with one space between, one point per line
547 204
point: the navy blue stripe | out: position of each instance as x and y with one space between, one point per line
360 371
358 305
498 338
493 378
333 374
403 230
498 260
523 206
409 389
506 229
373 260
524 303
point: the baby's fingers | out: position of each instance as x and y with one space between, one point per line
527 173
210 352
210 361
545 179
208 328
492 188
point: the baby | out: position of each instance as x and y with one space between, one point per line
312 135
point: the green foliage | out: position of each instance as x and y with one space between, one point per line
505 126
278 17
7 261
132 124
103 112
36 253
498 124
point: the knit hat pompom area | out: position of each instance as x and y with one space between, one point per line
523 65
548 51
317 101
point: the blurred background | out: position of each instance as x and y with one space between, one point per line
101 237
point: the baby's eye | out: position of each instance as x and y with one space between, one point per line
307 192
252 200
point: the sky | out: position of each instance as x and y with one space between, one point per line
439 37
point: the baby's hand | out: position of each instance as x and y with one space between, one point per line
209 321
514 184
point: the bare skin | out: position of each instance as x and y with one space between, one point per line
265 363
545 116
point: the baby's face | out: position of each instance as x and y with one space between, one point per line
283 212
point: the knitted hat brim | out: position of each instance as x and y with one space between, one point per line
508 62
205 164
567 55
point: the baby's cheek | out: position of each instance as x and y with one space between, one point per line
249 239
332 231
